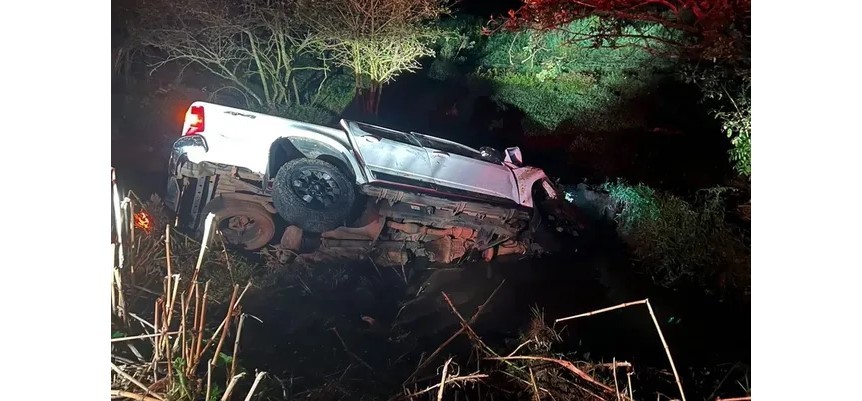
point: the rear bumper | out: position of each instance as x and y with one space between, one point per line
187 145
182 148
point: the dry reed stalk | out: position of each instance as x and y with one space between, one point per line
208 228
533 383
131 236
519 347
157 308
603 310
451 379
121 301
227 317
443 379
143 321
183 308
236 344
197 309
616 384
466 326
118 218
734 399
113 295
666 350
209 379
231 384
168 251
618 364
132 396
231 306
200 329
138 337
172 296
224 251
135 382
629 378
565 364
657 328
459 332
167 322
257 379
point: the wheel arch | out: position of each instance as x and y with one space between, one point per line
286 149
535 185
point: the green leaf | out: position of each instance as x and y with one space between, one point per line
223 359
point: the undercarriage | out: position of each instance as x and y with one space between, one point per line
393 227
394 233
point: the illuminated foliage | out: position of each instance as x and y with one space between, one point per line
257 47
377 39
714 29
713 35
557 77
727 88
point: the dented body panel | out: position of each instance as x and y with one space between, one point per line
425 196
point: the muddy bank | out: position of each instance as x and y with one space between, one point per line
390 329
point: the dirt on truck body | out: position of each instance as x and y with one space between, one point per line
361 191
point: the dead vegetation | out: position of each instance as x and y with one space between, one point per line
170 332
532 370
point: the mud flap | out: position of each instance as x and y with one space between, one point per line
172 195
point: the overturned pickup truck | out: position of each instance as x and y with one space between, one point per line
361 190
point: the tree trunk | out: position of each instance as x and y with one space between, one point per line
370 98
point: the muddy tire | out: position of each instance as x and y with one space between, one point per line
243 224
313 195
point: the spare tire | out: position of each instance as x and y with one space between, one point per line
313 195
244 224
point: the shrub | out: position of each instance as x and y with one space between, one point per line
727 90
455 47
679 241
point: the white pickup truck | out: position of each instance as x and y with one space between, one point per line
355 190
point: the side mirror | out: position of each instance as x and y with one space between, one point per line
490 154
513 155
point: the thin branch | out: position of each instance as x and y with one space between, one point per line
565 364
459 332
443 379
657 328
133 396
603 310
347 350
135 382
452 379
257 379
229 389
114 340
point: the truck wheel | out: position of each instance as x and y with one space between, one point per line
244 224
313 195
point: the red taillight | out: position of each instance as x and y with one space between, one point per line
195 120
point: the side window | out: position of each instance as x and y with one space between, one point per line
447 146
386 134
